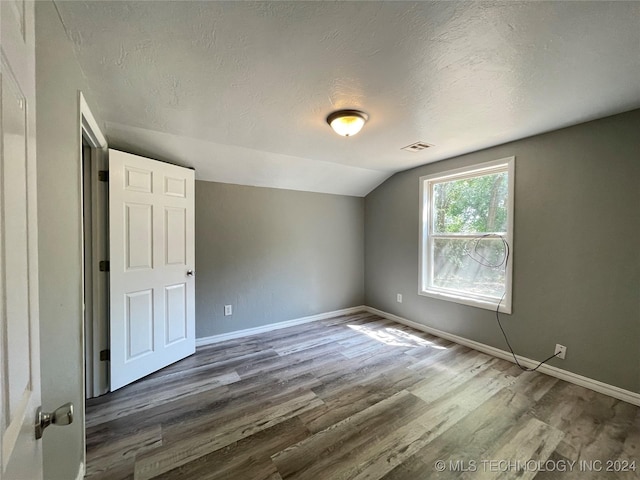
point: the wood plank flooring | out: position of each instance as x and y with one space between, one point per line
355 397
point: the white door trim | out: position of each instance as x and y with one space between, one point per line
88 128
89 125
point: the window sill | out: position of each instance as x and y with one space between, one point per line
505 307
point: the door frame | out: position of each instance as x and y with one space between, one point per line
96 333
91 132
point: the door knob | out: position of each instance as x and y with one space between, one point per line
61 416
190 273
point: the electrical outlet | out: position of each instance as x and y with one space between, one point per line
399 298
228 310
560 351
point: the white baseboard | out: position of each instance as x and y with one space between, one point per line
275 326
81 472
595 385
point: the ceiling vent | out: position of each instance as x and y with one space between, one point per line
416 147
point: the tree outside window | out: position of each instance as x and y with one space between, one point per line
467 218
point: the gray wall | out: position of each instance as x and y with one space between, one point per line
576 250
274 255
58 79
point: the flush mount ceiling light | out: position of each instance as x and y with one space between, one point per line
347 122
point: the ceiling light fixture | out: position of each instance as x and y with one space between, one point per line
347 122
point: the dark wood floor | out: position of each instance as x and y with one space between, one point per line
355 397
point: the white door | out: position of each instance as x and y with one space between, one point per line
152 255
19 344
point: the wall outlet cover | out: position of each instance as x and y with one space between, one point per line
560 351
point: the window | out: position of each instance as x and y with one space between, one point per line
466 243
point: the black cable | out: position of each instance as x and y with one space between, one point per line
515 359
476 242
505 262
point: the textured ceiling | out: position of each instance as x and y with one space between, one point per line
241 90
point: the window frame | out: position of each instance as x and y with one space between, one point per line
426 238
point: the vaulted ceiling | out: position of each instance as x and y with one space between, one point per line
241 90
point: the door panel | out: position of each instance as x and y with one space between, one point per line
175 187
175 224
15 225
138 180
176 308
151 231
139 236
139 331
21 455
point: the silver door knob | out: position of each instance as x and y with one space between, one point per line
61 416
190 273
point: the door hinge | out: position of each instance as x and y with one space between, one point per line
105 355
105 266
103 175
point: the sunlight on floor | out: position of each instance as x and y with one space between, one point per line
394 337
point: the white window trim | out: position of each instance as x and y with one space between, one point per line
466 299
